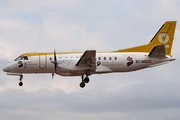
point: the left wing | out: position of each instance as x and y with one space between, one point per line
88 59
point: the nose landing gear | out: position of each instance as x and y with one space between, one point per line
21 83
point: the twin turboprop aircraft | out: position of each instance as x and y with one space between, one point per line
157 52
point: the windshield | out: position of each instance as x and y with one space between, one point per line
21 58
17 58
24 58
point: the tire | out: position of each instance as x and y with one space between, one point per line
82 84
86 80
20 84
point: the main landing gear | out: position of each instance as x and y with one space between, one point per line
21 83
84 81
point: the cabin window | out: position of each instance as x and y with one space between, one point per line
115 58
99 58
110 58
104 58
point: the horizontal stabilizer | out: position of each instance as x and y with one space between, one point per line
154 65
158 51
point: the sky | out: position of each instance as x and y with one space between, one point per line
80 25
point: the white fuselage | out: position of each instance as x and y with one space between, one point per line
156 52
105 63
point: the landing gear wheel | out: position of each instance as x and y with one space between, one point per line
86 80
20 83
82 84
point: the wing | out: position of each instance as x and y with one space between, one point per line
88 59
158 51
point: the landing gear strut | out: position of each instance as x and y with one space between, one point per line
84 81
20 83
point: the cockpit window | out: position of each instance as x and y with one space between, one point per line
24 58
17 58
21 58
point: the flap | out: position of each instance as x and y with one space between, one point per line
158 51
88 59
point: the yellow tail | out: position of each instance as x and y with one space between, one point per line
164 36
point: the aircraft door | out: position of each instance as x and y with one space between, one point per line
42 61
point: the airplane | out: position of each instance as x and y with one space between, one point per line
156 52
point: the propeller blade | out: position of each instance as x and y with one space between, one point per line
55 60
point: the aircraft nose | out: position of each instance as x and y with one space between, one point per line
5 69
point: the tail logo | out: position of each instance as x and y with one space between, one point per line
163 38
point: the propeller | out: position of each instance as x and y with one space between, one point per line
55 61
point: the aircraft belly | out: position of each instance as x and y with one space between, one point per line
69 69
103 69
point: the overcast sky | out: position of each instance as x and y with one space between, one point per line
79 25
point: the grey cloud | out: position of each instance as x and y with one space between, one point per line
140 97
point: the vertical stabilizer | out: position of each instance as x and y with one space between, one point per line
164 36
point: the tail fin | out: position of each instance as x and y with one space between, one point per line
164 36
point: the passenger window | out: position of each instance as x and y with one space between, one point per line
104 58
115 58
109 58
99 58
24 58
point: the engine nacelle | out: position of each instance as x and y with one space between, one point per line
69 64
